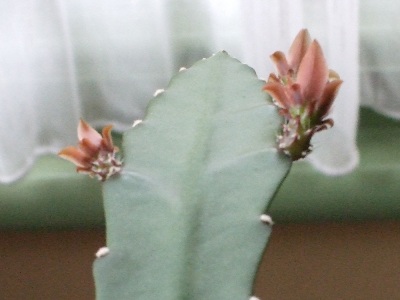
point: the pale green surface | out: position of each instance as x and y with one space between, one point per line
183 220
51 196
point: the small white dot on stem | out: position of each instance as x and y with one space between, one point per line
136 123
158 92
103 251
266 219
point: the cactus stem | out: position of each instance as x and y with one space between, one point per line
166 213
103 251
266 219
158 92
137 122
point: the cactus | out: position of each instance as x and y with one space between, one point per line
183 216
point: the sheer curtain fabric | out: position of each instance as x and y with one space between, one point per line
103 59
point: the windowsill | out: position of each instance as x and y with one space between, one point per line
53 196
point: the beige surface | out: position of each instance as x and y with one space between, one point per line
328 261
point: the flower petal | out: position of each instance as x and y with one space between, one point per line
313 73
107 138
279 59
278 93
298 49
325 124
326 101
75 155
88 148
295 94
333 75
273 78
85 131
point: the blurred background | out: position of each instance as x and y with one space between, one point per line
103 60
337 214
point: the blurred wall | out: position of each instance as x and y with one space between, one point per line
303 261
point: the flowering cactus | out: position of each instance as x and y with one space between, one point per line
186 217
95 154
303 90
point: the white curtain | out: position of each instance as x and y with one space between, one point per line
103 59
379 56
